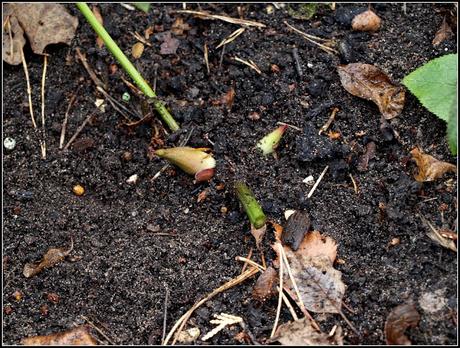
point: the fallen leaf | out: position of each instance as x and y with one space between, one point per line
137 50
400 318
444 33
366 21
302 333
430 168
77 336
437 236
369 154
228 98
169 45
369 82
97 14
189 336
43 23
265 286
51 258
13 37
179 27
315 244
296 227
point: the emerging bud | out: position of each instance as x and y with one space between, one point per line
192 161
270 142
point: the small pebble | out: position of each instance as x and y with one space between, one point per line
17 295
78 190
8 310
395 241
132 179
9 143
223 210
127 156
309 180
288 213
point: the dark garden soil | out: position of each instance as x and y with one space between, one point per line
132 242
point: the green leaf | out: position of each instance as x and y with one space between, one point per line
452 127
143 6
304 11
434 85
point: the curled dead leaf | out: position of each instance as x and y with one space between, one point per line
52 257
265 286
444 33
369 82
430 168
399 319
179 27
366 21
302 333
77 336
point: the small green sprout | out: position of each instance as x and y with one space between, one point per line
252 208
270 142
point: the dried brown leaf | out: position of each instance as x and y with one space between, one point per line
400 318
296 227
314 244
444 33
302 333
369 82
440 236
51 258
97 14
228 98
44 23
77 336
179 27
137 50
13 37
265 286
366 21
169 45
369 154
430 168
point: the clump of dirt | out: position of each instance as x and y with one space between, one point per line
132 242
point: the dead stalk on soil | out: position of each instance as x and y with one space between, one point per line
98 329
77 132
231 37
29 90
314 39
206 59
355 186
280 298
317 182
66 118
329 121
289 125
165 314
206 15
43 140
249 63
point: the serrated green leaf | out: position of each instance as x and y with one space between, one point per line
434 85
452 126
143 6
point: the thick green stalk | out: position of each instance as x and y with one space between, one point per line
127 65
251 206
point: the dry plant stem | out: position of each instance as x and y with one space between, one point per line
43 141
289 125
165 314
77 132
250 262
206 58
66 118
206 15
231 37
355 186
312 39
289 306
97 329
280 298
250 64
329 121
317 182
247 258
29 90
179 325
294 283
91 73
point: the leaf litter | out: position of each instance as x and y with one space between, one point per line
401 318
77 336
369 82
429 167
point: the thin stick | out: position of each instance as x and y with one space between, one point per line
221 57
206 58
97 329
206 15
249 260
355 186
165 313
29 90
179 325
231 37
66 118
309 38
79 129
249 63
329 121
280 298
295 55
43 141
289 306
317 182
289 125
155 76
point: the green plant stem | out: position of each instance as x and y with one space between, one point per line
251 206
127 65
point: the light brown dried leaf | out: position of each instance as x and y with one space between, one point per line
444 33
13 39
430 168
97 14
179 26
400 318
366 21
369 154
314 244
45 23
77 336
51 258
369 82
265 286
302 333
137 50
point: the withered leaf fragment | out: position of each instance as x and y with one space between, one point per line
296 227
265 285
13 37
400 318
302 333
51 258
366 21
368 155
369 82
78 336
444 33
430 168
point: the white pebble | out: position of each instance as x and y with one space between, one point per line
310 65
309 180
288 213
132 179
9 143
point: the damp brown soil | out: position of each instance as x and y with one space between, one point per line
133 244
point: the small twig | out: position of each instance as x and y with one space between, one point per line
317 182
206 58
79 129
88 69
221 57
280 298
118 106
140 38
313 39
355 186
329 121
66 118
289 306
231 37
165 313
97 329
289 125
43 140
298 67
205 15
248 258
249 63
29 90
